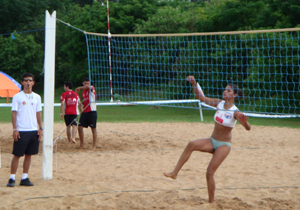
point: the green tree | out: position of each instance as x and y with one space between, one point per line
20 55
126 13
71 50
279 14
25 53
19 15
83 2
71 47
167 20
229 15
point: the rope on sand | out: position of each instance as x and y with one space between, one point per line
145 191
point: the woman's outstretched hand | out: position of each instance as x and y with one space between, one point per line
191 79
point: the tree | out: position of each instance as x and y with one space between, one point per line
229 15
279 14
125 14
167 20
83 2
21 55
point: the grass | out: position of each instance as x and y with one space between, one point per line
142 113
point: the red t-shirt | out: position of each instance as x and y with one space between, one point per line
71 99
89 100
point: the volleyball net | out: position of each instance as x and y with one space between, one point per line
152 68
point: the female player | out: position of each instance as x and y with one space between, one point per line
219 144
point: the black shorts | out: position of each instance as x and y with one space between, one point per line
27 144
88 119
69 119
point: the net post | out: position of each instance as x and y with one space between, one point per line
49 77
109 51
200 107
200 110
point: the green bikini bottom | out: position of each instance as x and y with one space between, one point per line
217 144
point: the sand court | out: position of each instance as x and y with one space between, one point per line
262 170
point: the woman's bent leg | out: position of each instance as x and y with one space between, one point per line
203 145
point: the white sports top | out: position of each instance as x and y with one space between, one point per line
225 116
26 106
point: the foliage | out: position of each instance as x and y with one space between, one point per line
125 14
25 53
279 14
72 56
168 19
20 55
19 15
229 15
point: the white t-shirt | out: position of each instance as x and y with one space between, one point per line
26 106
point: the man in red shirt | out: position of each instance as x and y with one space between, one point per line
70 101
89 111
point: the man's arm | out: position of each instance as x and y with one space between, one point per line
80 106
40 122
83 88
16 134
62 105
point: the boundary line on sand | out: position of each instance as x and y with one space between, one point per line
145 191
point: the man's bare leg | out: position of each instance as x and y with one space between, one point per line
81 136
94 132
74 131
69 133
26 164
14 164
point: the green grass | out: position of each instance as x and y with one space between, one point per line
141 113
168 114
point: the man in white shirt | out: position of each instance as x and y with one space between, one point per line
26 114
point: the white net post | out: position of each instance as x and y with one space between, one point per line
200 107
200 111
49 79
